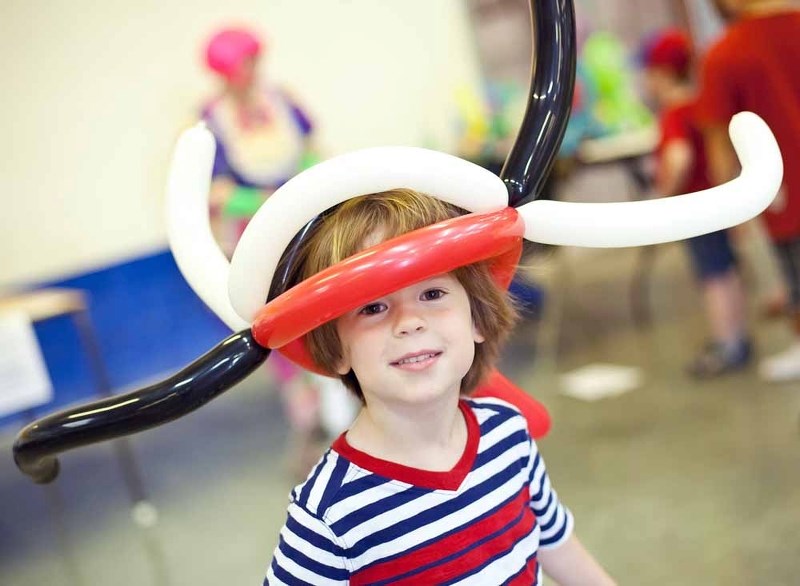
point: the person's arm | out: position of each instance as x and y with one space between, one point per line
561 555
722 162
570 563
675 164
723 165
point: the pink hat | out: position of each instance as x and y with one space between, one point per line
228 48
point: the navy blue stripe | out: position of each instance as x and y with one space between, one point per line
311 564
334 484
543 511
306 492
505 445
492 422
367 513
536 465
461 552
558 535
505 410
360 485
313 537
285 576
436 513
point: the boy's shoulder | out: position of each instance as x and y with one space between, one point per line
494 410
337 485
323 484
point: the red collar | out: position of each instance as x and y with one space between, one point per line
449 480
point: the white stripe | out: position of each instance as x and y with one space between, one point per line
321 481
479 408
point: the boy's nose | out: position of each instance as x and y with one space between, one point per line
408 321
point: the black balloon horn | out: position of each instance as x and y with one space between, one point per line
550 97
549 100
206 378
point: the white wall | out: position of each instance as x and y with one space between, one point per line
94 94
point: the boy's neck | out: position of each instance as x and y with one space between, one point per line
428 437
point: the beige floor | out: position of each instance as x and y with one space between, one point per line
674 482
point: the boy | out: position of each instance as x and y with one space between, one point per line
426 486
681 169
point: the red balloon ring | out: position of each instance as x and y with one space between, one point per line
385 268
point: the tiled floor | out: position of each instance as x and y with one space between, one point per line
673 482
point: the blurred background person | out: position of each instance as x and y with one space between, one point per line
682 168
754 66
264 138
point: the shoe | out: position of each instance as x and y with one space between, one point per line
784 366
717 359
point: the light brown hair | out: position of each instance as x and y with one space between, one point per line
387 214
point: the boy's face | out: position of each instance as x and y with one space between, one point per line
412 346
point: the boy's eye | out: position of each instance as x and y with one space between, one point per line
432 294
372 309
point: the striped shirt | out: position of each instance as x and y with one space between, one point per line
361 520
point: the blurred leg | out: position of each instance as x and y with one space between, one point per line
785 366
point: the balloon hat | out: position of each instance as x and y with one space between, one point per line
504 210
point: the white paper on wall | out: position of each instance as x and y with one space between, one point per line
24 381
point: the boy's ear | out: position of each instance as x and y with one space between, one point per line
343 366
477 337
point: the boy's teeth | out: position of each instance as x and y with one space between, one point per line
415 358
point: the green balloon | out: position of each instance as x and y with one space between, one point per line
618 107
309 159
244 203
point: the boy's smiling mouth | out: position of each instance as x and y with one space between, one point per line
417 360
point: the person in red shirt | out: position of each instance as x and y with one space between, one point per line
754 66
681 168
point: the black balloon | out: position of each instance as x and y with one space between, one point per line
549 101
206 378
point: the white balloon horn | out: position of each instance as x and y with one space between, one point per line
199 258
608 225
